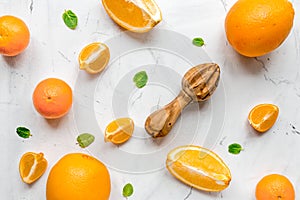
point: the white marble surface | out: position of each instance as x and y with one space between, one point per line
53 50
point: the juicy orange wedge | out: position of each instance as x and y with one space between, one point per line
94 57
263 116
198 167
119 130
134 15
32 166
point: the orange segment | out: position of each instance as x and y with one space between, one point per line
119 130
263 116
198 167
32 166
94 57
134 15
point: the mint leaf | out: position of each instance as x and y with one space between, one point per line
199 42
85 139
70 19
140 79
127 190
23 132
235 148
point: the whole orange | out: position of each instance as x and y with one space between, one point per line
14 35
257 27
52 98
275 187
78 176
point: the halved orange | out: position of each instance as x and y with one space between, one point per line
94 57
263 116
119 130
198 167
134 15
32 166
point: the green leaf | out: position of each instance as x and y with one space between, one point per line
127 190
235 148
70 19
23 132
199 42
140 79
85 139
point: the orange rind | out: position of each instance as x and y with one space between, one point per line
263 116
198 167
32 166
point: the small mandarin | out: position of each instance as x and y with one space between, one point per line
52 98
14 35
274 187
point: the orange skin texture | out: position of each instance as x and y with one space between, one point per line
78 176
14 36
52 98
275 187
257 27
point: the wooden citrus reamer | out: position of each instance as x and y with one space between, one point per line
198 84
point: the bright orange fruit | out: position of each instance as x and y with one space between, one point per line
78 176
32 166
263 116
14 35
257 27
119 130
135 15
275 187
198 167
52 98
94 57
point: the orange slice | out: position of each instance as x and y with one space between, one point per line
134 15
119 130
94 57
32 166
263 116
198 167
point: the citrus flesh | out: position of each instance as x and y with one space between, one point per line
32 166
263 116
198 167
135 15
94 57
119 130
